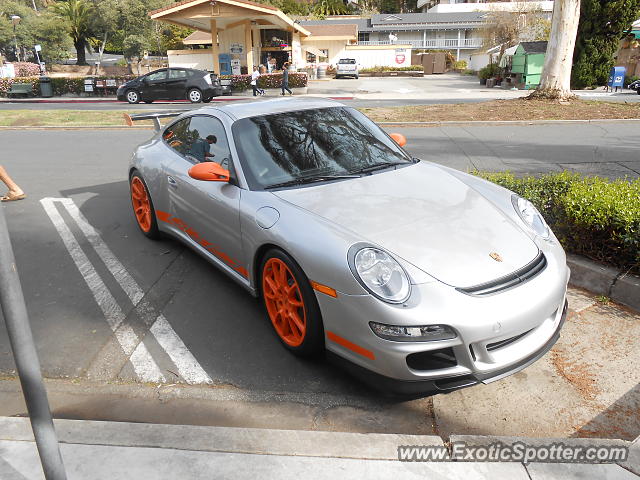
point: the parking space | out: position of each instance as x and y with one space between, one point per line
108 305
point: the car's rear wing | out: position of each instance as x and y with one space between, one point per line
151 116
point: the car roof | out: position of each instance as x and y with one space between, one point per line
267 107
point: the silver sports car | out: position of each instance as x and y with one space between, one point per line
425 279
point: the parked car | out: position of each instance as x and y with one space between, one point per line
421 278
635 86
347 67
172 84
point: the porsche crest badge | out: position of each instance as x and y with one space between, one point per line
496 256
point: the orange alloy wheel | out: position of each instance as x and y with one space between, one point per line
141 204
284 303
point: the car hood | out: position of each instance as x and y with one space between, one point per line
427 217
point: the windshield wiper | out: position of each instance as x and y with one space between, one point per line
379 166
304 180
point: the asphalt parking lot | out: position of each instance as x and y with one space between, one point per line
115 315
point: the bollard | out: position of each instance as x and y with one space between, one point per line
26 359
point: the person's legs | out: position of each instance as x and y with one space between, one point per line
14 189
255 90
282 87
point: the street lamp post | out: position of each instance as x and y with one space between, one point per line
15 19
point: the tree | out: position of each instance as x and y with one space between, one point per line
324 8
77 14
35 28
134 47
602 25
556 72
525 22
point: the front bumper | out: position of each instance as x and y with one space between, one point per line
446 385
497 334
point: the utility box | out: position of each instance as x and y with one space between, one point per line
528 61
616 77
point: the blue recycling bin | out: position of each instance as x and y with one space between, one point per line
616 77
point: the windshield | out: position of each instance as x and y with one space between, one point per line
349 61
336 141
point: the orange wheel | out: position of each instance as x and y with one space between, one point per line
284 302
143 207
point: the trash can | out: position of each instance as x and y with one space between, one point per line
322 72
46 89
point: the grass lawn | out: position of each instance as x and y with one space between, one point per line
70 118
517 109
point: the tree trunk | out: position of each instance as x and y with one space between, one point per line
556 73
80 52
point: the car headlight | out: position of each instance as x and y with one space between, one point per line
381 275
530 216
426 333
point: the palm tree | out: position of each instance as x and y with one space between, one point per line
325 8
77 13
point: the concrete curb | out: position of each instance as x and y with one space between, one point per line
287 443
504 122
603 280
369 446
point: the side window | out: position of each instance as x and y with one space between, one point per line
177 74
208 141
176 136
159 75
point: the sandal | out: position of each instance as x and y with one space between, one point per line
12 198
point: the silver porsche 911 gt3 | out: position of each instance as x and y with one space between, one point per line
423 278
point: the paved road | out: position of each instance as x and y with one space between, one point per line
365 92
87 271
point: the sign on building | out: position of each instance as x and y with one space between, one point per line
236 48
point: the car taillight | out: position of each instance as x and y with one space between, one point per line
207 78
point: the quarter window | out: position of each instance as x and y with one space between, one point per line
176 136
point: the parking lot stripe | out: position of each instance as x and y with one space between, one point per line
187 365
144 366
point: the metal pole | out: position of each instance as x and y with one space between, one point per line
26 359
15 39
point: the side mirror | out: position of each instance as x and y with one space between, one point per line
209 172
399 138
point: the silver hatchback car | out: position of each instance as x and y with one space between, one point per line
423 278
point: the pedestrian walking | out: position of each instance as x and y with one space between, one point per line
254 82
285 79
15 192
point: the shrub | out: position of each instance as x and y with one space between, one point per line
591 216
408 68
267 80
26 69
489 71
460 65
5 84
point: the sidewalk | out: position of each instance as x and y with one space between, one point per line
114 451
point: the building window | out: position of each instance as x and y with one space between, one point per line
363 36
311 58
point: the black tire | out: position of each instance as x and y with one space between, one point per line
337 77
313 343
194 95
207 100
152 232
132 96
357 77
638 91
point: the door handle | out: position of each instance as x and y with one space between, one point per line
172 182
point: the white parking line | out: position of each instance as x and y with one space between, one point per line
188 367
143 364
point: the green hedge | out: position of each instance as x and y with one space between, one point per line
60 85
591 216
408 68
267 80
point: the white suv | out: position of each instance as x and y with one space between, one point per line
347 67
